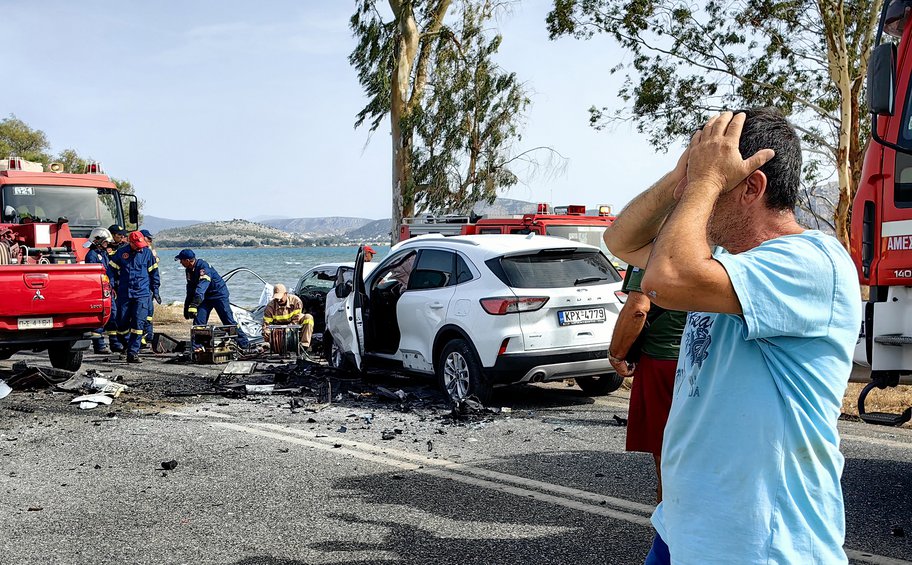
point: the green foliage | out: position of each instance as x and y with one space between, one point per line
690 60
18 139
463 112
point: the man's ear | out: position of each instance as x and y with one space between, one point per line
754 188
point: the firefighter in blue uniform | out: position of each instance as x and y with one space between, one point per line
118 237
149 331
206 291
98 243
137 283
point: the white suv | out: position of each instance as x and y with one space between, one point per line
478 311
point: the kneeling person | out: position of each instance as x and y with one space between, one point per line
287 309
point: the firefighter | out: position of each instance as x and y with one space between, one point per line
287 309
206 291
369 253
115 339
137 281
149 332
119 237
99 241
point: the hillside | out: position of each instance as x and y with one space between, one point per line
234 233
155 224
317 227
377 230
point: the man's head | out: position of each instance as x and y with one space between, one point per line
118 234
148 235
767 195
137 241
186 257
280 293
369 253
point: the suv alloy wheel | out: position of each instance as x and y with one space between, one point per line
459 373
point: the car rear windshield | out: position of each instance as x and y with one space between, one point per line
554 268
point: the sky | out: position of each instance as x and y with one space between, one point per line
224 109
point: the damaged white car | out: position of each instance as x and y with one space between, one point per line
480 311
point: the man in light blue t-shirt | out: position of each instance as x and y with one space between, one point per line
751 463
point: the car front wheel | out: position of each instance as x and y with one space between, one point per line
459 373
600 385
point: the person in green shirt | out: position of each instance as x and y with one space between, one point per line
645 345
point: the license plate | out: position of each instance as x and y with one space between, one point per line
36 323
588 316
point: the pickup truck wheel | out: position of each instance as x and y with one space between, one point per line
459 373
600 385
63 357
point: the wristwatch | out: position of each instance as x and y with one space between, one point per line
614 359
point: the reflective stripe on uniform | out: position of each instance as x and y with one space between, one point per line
115 265
153 267
137 332
309 320
149 318
206 277
285 317
112 333
191 310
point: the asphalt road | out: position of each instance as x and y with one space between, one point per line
259 482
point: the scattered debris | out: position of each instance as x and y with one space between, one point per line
168 465
898 532
259 389
387 435
620 421
90 401
97 466
311 421
4 389
240 368
296 403
342 429
31 377
162 343
430 445
35 509
283 450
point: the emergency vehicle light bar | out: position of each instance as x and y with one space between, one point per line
15 163
93 168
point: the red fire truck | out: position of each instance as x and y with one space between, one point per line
882 212
570 222
50 300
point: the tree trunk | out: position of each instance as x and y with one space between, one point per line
406 51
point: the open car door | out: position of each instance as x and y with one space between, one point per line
345 316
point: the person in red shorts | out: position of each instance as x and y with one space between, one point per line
645 345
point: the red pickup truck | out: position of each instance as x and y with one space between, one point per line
49 299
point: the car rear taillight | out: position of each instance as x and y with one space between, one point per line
621 296
105 286
511 304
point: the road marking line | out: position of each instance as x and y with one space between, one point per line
866 557
486 473
444 474
449 472
879 441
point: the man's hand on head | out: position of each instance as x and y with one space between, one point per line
714 161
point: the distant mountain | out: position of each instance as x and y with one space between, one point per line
155 224
233 233
378 230
505 207
262 219
318 227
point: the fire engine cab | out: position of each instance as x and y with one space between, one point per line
881 238
570 222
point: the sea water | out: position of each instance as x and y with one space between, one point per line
283 265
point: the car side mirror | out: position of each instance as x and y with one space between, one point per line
882 80
343 290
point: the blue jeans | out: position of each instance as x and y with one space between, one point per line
658 554
223 309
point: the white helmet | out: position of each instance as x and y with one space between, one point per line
100 234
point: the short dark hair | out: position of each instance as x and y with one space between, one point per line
767 128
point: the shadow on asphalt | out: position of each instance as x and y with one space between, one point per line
878 500
503 530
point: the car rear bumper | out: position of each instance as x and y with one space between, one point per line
548 366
